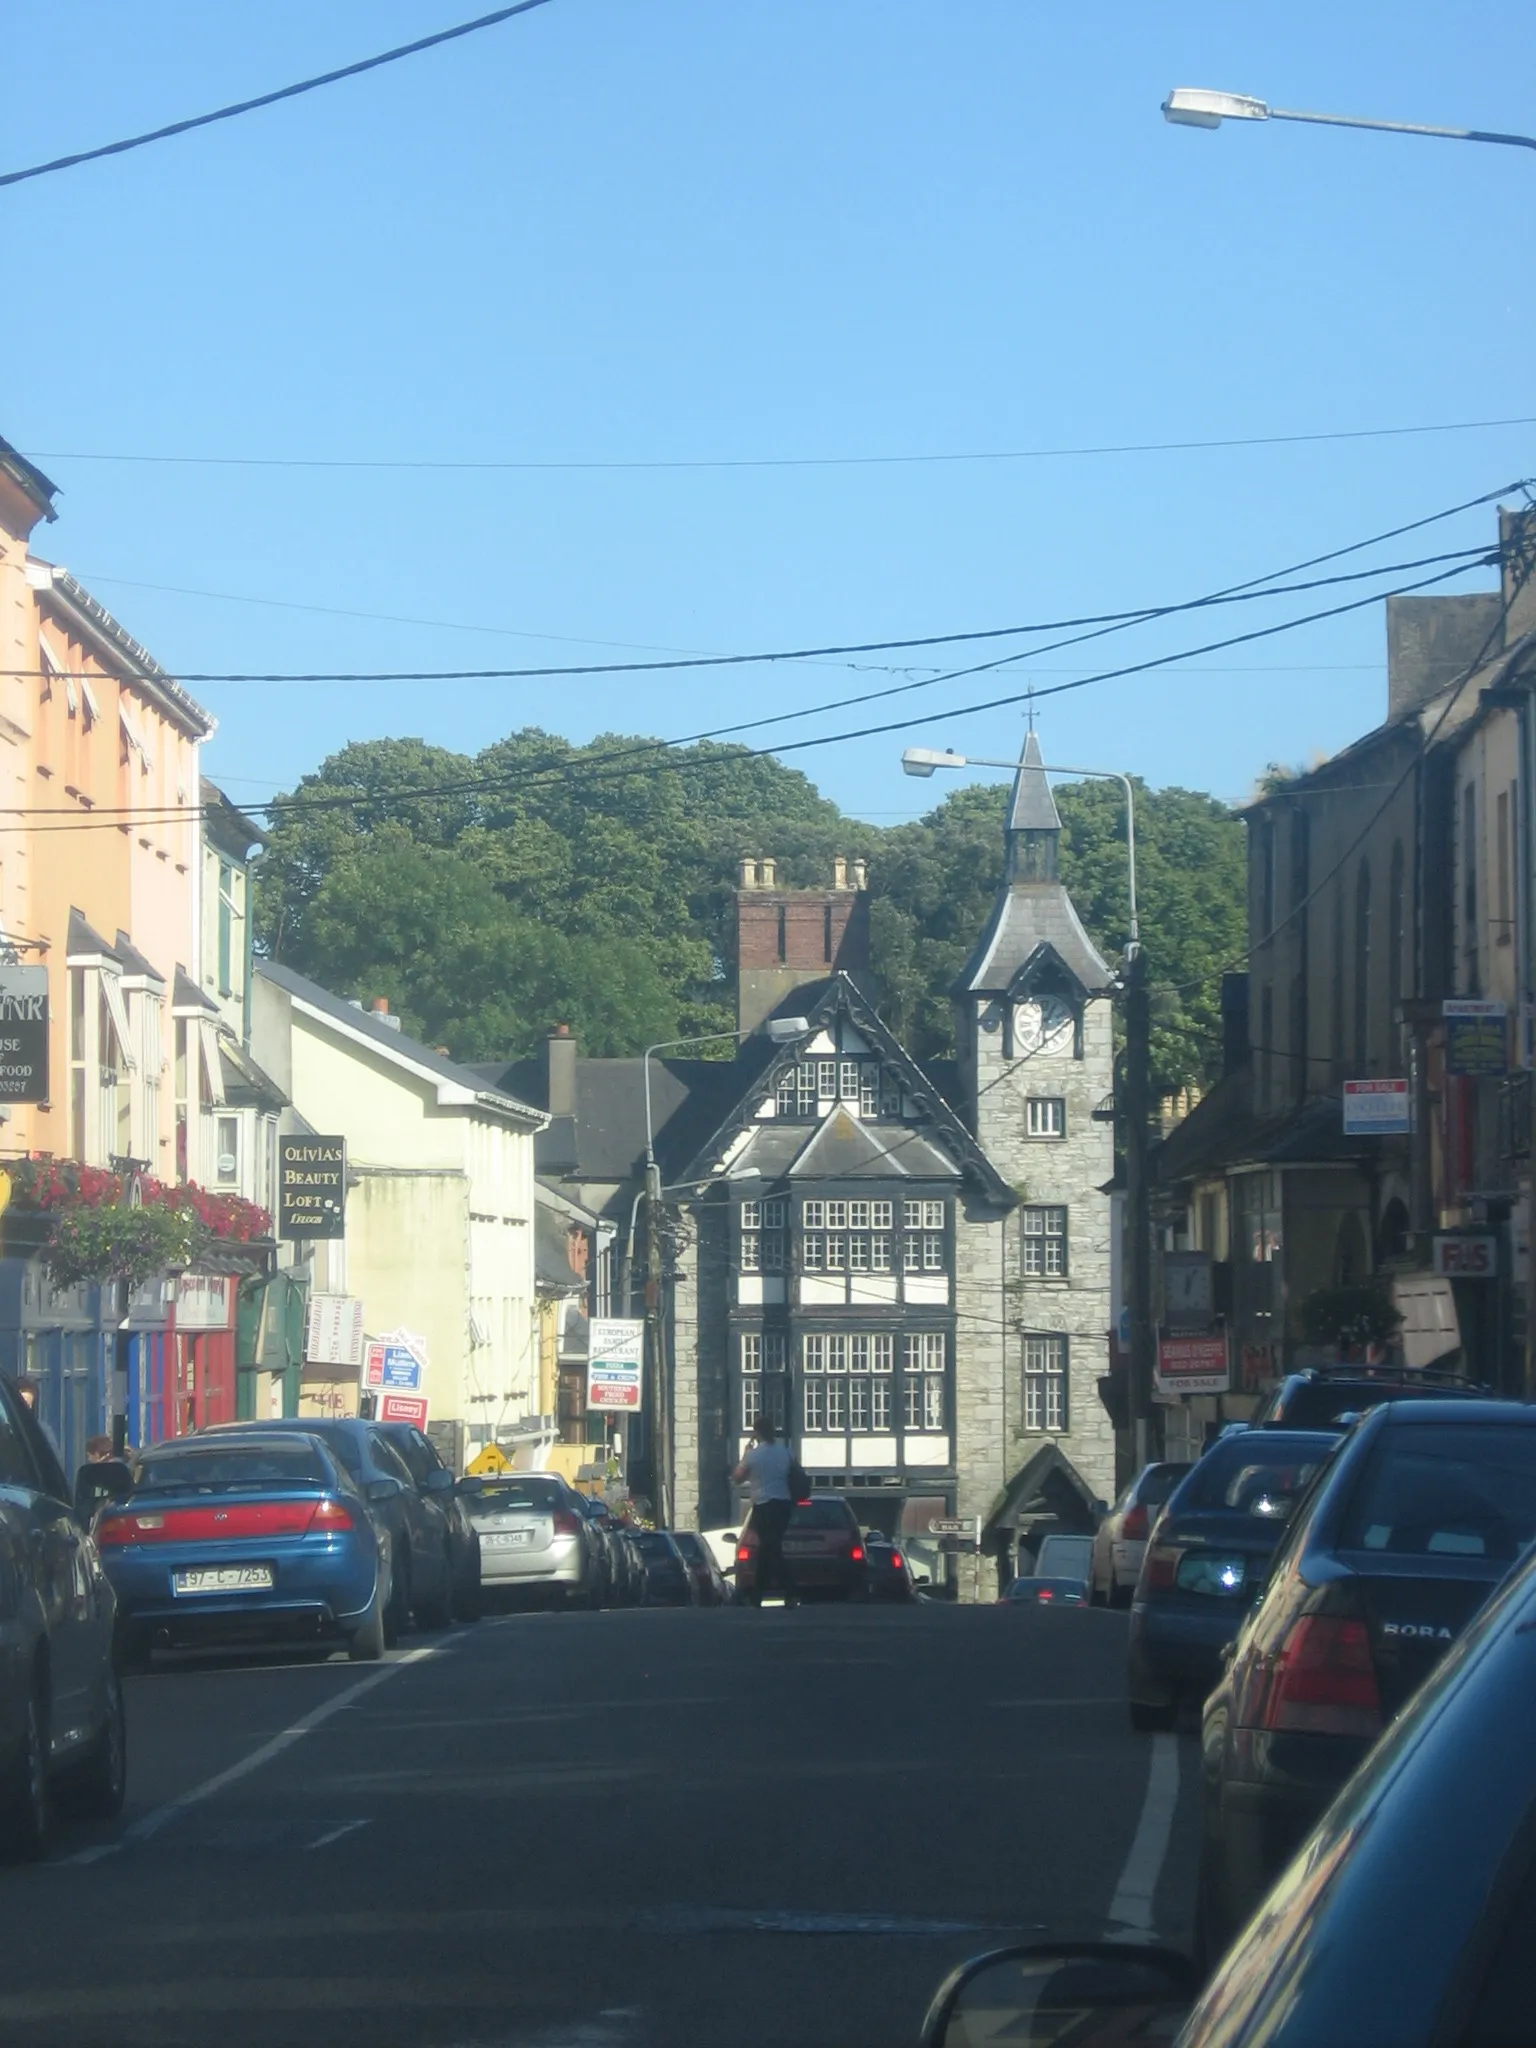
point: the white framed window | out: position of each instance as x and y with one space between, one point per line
226 1151
814 1353
880 1405
1045 1383
805 1089
836 1242
837 1404
880 1252
924 1355
858 1405
751 1215
879 1215
912 1254
933 1252
858 1253
837 1215
826 1080
784 1095
858 1215
813 1215
848 1080
837 1352
923 1215
1045 1116
1045 1243
751 1251
751 1378
813 1252
813 1397
869 1091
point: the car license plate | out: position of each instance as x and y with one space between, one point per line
802 1546
225 1578
508 1539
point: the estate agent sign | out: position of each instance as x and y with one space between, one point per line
23 1034
311 1187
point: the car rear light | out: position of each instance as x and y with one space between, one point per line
857 1553
1160 1568
897 1560
566 1523
112 1531
1136 1523
1324 1682
333 1515
747 1545
1044 1594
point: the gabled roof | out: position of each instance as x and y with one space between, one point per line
1032 808
1032 922
605 1139
457 1087
943 1144
186 995
246 1083
85 940
134 961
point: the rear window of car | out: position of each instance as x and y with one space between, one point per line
655 1545
343 1447
1157 1482
1460 1490
226 1467
820 1514
1250 1476
501 1494
690 1546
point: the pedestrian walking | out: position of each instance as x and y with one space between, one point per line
766 1471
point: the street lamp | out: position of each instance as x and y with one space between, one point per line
1192 106
779 1031
924 760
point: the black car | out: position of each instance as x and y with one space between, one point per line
433 1478
1208 1552
888 1570
668 1581
709 1587
421 1551
1327 1396
62 1731
1030 1591
1425 1511
1406 1920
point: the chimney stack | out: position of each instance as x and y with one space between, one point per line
839 871
560 1071
380 1006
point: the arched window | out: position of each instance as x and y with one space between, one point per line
1336 991
1397 930
1363 968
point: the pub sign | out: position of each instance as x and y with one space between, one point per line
23 1034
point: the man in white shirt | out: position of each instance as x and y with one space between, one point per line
765 1471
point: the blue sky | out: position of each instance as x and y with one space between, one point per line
716 229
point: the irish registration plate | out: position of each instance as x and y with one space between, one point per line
507 1539
801 1546
225 1578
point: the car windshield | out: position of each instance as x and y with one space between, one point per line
226 1467
654 1545
1251 1476
820 1514
1457 1490
497 1496
689 1545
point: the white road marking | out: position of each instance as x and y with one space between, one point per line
348 1827
149 1824
1131 1907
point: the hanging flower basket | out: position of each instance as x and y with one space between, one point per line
100 1227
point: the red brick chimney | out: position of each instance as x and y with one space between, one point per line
787 938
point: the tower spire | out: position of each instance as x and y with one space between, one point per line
1033 830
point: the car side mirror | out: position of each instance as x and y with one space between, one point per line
731 1537
378 1490
1097 1994
921 1579
439 1480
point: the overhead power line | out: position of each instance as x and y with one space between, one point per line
1467 558
627 760
728 462
268 99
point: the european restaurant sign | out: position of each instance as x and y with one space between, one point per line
23 1034
311 1187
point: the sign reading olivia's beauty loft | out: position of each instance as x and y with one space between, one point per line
311 1187
23 1034
616 1350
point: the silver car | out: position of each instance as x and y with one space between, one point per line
534 1535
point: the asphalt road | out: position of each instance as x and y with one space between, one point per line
674 1830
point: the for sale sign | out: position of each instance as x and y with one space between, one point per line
1193 1365
1377 1109
615 1363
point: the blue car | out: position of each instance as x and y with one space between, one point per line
244 1538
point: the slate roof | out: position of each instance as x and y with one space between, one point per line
1029 922
133 960
397 1043
84 938
39 488
186 995
1032 808
246 1082
605 1140
1223 1132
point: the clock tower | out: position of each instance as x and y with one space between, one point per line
1035 1040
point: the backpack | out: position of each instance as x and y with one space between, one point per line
799 1480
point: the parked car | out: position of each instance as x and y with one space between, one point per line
421 1582
1405 1920
1208 1550
63 1738
630 1565
668 1581
1121 1539
888 1570
1033 1591
611 1564
1423 1513
1322 1396
824 1553
1065 1556
240 1536
535 1536
435 1481
711 1588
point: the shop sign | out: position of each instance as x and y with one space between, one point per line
1466 1256
23 1034
615 1363
1193 1365
395 1363
333 1330
1377 1109
311 1187
1476 1037
202 1301
410 1408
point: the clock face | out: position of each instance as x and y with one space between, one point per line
1044 1024
1187 1287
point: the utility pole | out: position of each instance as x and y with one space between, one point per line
656 1340
1138 1202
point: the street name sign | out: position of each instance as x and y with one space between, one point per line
951 1525
1193 1365
615 1363
1377 1109
311 1187
23 1034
